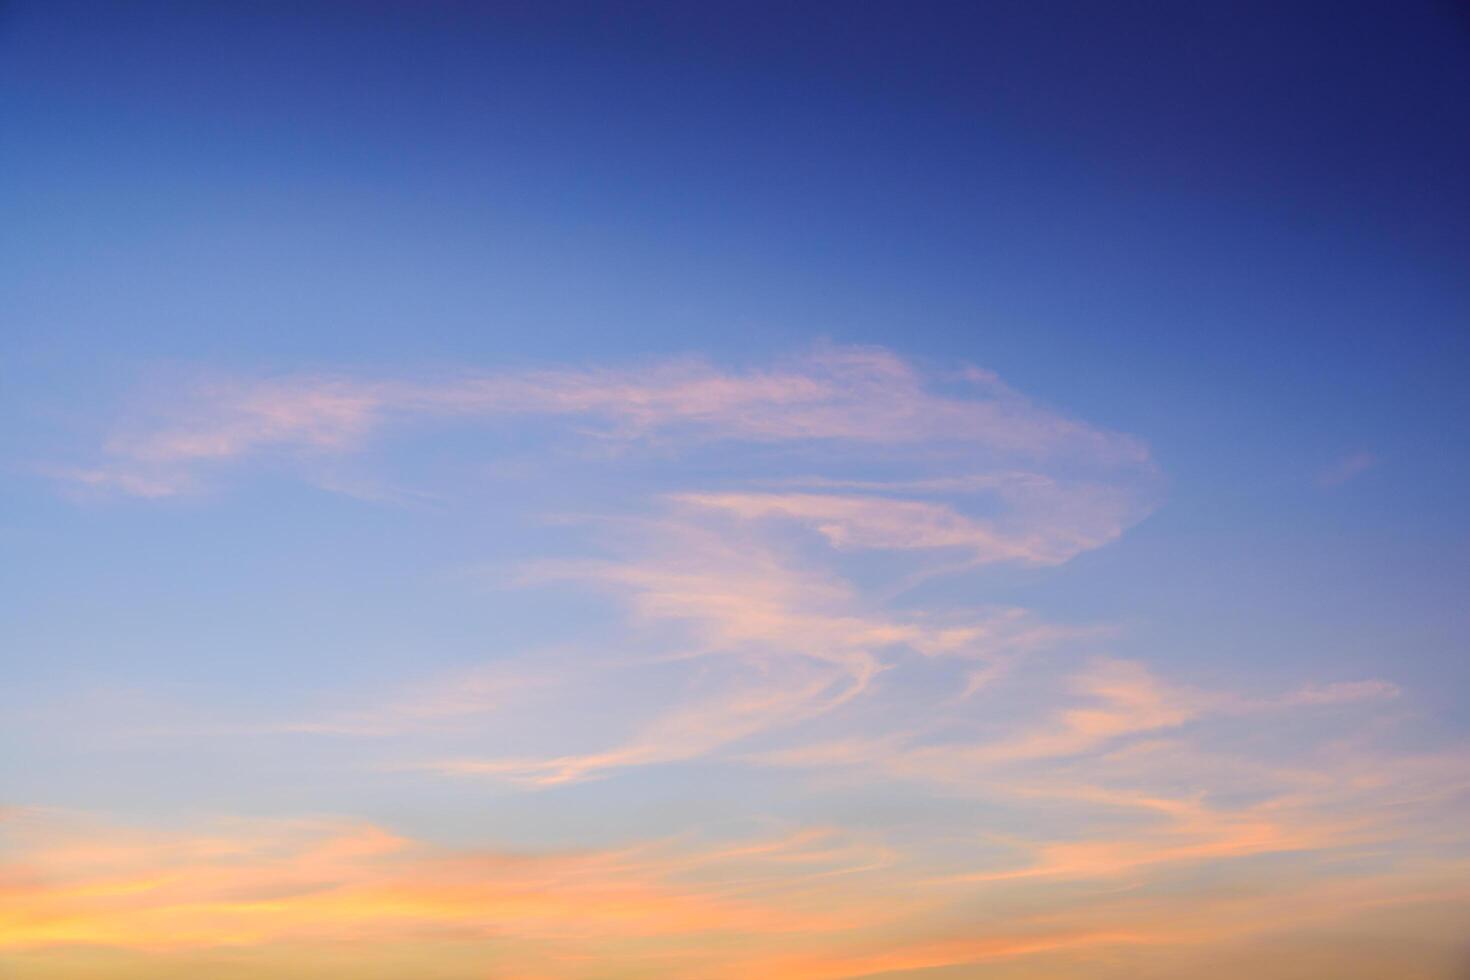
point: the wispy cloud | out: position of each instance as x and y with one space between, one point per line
278 897
1347 468
71 882
863 396
886 523
806 607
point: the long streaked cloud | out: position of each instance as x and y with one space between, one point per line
861 396
776 696
257 882
283 897
884 523
1111 702
797 610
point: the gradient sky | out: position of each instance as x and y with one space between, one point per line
515 490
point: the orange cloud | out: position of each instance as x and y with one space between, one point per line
284 898
1080 814
260 883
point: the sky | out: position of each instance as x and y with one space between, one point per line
584 490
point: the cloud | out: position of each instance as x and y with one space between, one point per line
1347 468
1117 934
782 694
1341 692
800 570
847 395
714 575
260 883
887 524
1121 698
780 642
285 897
135 482
1190 831
433 705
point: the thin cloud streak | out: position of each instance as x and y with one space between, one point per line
1348 468
860 396
810 902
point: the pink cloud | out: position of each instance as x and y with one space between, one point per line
1347 468
853 395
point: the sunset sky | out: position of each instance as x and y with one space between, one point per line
734 490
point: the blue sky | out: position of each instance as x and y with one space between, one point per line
330 328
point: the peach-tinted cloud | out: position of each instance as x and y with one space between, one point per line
1347 468
805 640
1182 830
1341 692
862 396
779 694
1120 698
1127 698
439 703
888 524
279 896
263 883
793 641
1030 802
1106 936
134 481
